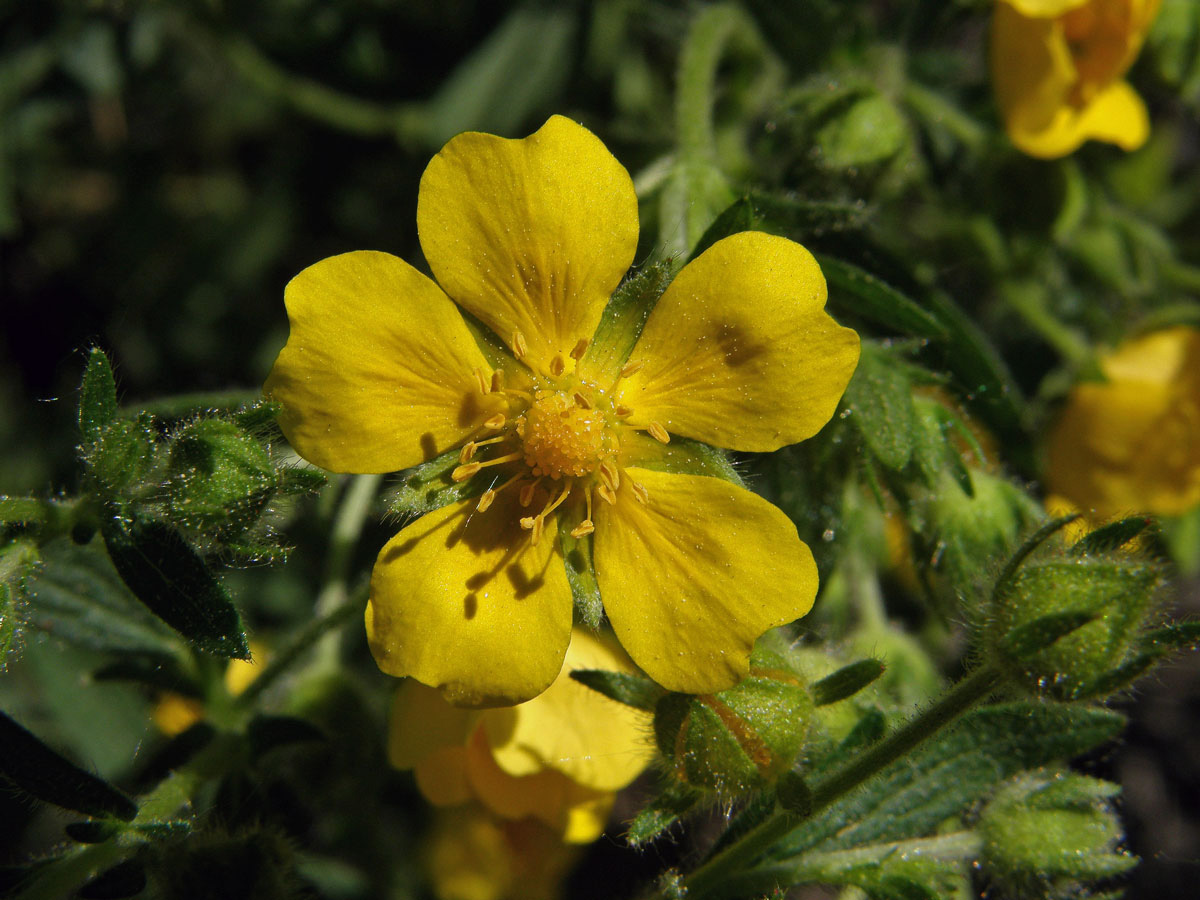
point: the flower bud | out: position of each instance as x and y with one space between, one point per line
1044 832
740 739
1116 593
121 454
220 475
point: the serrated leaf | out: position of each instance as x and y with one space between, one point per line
879 397
175 584
427 487
97 396
624 687
622 321
40 772
943 777
846 681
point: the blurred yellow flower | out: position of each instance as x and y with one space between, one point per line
558 758
175 713
472 855
1058 69
1132 443
558 431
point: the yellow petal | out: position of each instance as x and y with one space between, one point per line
1045 8
462 601
692 577
421 721
1116 115
739 352
1032 72
578 812
442 777
570 728
376 375
530 235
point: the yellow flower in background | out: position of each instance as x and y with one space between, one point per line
472 855
558 431
1132 443
1058 70
175 713
559 757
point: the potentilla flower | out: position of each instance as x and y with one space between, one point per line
1132 443
558 758
558 429
1058 69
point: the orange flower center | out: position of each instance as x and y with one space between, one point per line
561 436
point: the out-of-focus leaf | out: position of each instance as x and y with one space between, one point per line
520 68
879 397
153 670
783 214
856 291
40 772
266 733
169 577
175 753
695 194
125 879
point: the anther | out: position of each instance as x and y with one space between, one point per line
484 382
583 529
610 475
488 498
519 347
607 494
496 422
581 401
526 495
639 491
658 433
467 452
462 473
631 367
498 380
622 411
579 349
558 365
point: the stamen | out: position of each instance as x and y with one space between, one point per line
519 347
558 365
579 349
496 422
526 495
639 491
583 529
462 473
622 412
507 457
484 382
558 501
513 392
581 401
607 494
658 433
488 498
498 380
467 451
610 475
631 367
534 524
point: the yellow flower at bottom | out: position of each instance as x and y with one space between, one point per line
1058 68
1132 443
558 758
562 434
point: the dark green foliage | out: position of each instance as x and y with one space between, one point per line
632 690
846 681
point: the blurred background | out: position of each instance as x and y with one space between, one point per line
166 168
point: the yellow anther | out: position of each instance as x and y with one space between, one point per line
527 522
610 474
519 347
658 433
467 452
484 382
526 495
579 349
496 422
631 367
498 380
622 412
583 529
462 473
607 494
639 491
488 498
558 365
581 401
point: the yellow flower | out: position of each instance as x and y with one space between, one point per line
559 757
559 431
1132 443
175 713
470 855
1058 69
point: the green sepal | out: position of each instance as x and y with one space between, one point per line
783 214
125 879
846 681
683 456
676 801
622 322
1112 536
301 480
175 584
1152 648
794 794
121 454
257 416
97 396
427 487
1030 637
933 453
581 573
37 770
624 687
879 398
221 476
866 731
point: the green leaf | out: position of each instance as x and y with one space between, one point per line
1112 536
24 511
946 775
427 487
622 321
632 690
40 772
661 813
693 197
785 215
153 670
861 294
522 66
175 584
879 397
1042 632
846 681
97 396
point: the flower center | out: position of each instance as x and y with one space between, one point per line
561 436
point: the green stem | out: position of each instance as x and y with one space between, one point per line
1029 301
64 876
933 107
717 871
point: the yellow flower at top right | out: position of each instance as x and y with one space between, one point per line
1058 70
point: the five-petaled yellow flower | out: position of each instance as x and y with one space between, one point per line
559 758
1058 69
1131 443
558 431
